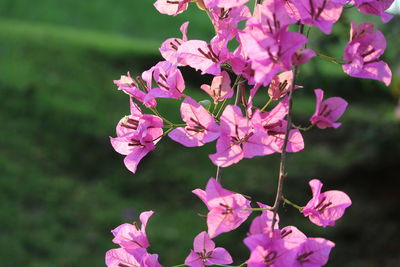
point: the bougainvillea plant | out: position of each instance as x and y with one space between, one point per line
270 50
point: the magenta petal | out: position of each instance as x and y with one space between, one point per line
182 136
220 87
169 47
263 224
303 56
132 160
120 145
328 111
193 260
219 223
195 54
258 144
316 187
257 257
220 256
226 154
195 114
320 249
296 142
216 194
202 242
362 53
293 237
340 201
116 257
150 260
124 235
144 217
327 207
377 70
227 4
201 126
168 8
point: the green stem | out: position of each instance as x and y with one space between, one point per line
179 265
167 131
215 107
331 59
266 105
238 94
155 111
303 128
221 108
257 209
218 174
292 204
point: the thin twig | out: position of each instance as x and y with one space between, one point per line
282 165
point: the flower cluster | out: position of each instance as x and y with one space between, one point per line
133 246
270 49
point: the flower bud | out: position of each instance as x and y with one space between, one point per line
200 4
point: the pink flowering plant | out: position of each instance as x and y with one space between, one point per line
265 61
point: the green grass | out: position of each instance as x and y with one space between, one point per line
37 33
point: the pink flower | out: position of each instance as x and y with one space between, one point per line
201 127
139 257
303 56
170 46
130 235
240 138
168 78
224 3
287 247
241 65
362 54
274 124
314 252
273 15
270 250
203 56
137 135
281 85
131 87
205 253
263 224
225 208
269 52
375 7
225 20
325 208
220 88
171 7
328 111
321 13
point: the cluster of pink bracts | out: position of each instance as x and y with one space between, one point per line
276 247
267 55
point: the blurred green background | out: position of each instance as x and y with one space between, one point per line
63 188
